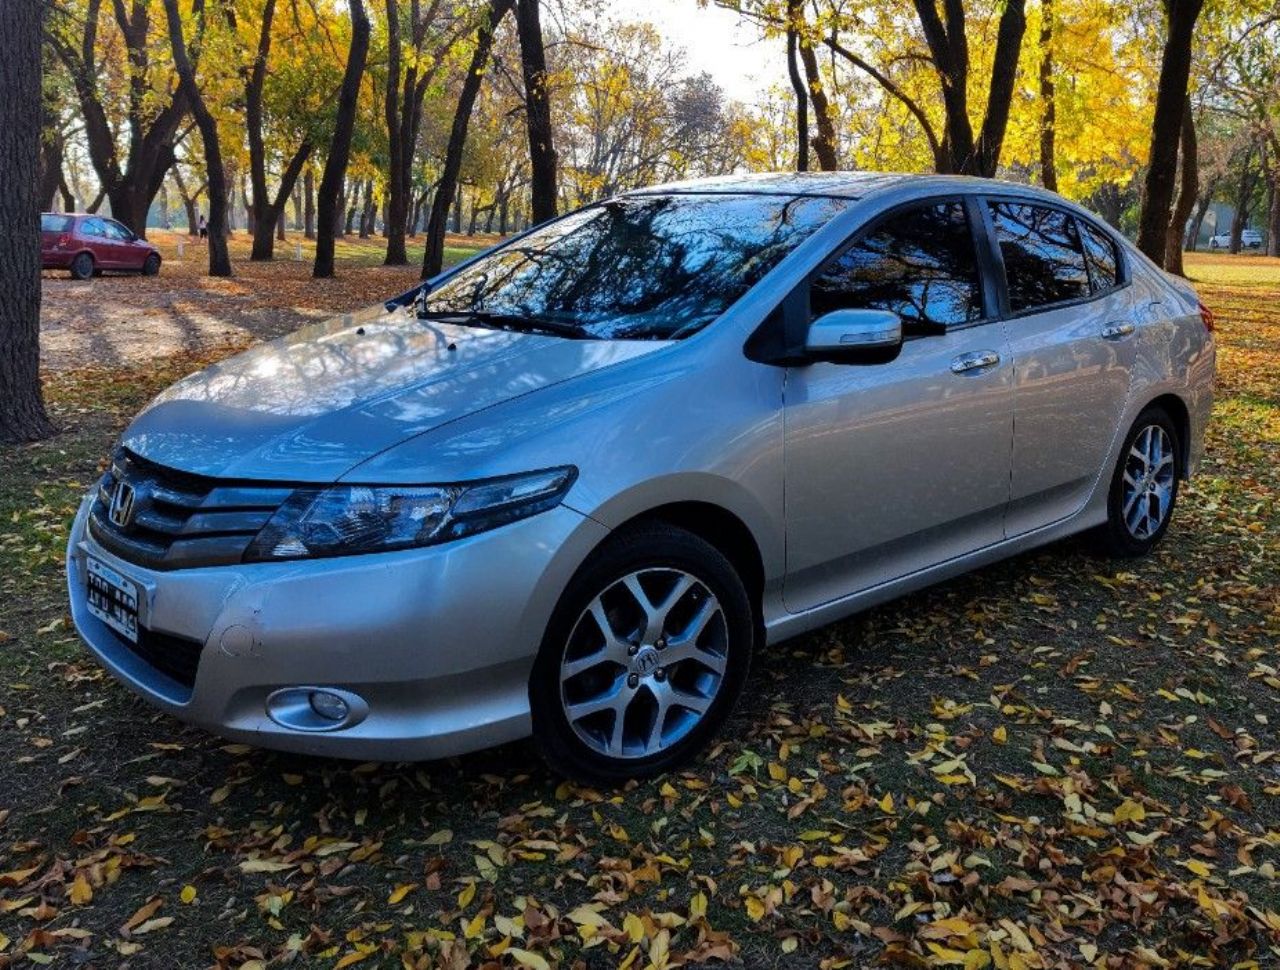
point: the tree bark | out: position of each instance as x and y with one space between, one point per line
273 210
433 255
1244 195
335 165
824 142
542 153
369 213
309 204
219 258
1166 127
397 156
1187 192
1048 101
794 12
22 413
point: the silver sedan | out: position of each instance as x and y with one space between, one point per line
568 487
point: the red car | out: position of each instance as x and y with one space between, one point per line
87 244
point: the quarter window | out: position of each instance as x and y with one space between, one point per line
1100 252
920 264
1043 261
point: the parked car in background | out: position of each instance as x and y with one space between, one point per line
85 244
1249 239
569 486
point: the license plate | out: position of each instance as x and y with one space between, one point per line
113 599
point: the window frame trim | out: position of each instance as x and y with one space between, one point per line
1124 277
986 279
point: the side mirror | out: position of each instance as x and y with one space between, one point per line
855 336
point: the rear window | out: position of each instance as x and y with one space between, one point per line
1043 260
52 223
1100 252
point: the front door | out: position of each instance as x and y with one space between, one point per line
894 467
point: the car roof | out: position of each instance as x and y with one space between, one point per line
843 185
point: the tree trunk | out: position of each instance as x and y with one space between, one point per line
297 206
542 153
824 142
794 12
369 213
335 165
1273 212
22 413
949 48
1048 101
433 254
219 259
1171 96
51 151
398 153
309 204
1244 195
457 211
1202 209
1187 193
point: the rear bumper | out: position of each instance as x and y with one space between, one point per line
55 259
437 642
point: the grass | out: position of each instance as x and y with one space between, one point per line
1056 761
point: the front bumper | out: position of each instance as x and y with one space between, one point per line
439 642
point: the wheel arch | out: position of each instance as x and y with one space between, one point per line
1178 411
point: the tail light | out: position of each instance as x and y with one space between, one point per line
64 240
1206 315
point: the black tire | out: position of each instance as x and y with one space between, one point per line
650 546
151 266
82 266
1115 538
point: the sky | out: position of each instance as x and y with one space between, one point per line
715 40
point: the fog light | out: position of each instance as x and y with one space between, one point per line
328 705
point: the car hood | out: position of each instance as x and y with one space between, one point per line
310 406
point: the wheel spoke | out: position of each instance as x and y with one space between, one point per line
615 700
655 614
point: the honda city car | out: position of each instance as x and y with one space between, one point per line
567 488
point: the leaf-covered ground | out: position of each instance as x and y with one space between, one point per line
125 320
1054 762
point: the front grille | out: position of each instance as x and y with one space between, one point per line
179 520
175 657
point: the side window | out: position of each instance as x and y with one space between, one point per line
1100 252
1043 261
95 227
117 231
919 263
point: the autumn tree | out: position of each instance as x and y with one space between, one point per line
106 85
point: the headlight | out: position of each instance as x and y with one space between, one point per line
344 520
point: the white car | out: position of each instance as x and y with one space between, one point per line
1249 239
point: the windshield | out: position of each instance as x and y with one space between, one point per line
644 267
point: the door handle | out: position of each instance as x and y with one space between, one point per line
974 361
1117 331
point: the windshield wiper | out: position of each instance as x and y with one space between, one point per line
519 323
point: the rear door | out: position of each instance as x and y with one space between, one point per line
94 233
1071 329
894 467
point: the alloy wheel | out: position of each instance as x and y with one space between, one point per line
644 663
1148 482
